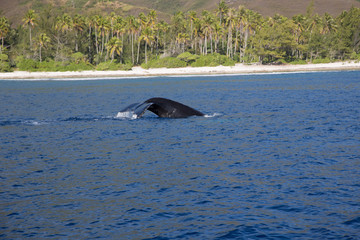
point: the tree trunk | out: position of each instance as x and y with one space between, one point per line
195 44
138 53
102 43
89 42
245 42
76 42
132 48
145 51
205 46
96 42
30 36
236 41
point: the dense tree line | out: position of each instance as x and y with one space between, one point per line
52 39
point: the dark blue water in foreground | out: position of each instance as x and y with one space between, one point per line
280 159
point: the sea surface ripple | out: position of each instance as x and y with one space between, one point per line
278 158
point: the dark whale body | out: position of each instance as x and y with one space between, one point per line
164 108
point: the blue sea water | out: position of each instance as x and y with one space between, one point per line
279 158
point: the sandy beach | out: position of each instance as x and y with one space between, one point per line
138 71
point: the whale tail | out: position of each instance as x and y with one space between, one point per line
162 107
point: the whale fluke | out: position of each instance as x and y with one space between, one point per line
162 107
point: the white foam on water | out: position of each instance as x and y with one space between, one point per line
34 123
126 115
212 115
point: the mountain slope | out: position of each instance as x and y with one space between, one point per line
265 7
15 9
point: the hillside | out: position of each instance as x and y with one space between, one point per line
15 9
265 7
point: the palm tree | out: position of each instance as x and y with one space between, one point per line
239 26
192 18
114 45
104 26
112 18
4 30
43 41
78 26
207 28
328 24
178 23
313 25
162 28
218 32
222 10
181 40
119 27
142 23
197 34
95 21
230 22
252 20
144 20
132 26
89 21
30 21
152 17
299 21
62 25
148 37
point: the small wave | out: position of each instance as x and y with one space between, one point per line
131 115
212 115
87 119
22 122
35 123
81 119
126 115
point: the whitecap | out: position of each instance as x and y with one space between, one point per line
212 115
34 123
126 115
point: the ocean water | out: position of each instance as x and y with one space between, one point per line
277 158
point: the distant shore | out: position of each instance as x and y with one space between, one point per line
140 72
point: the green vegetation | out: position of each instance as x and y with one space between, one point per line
167 62
187 57
53 40
213 60
4 63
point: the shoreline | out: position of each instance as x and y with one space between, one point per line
153 72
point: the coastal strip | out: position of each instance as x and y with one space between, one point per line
140 72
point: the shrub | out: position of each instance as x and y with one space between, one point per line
4 63
167 62
281 61
81 66
355 56
188 57
321 60
298 61
4 57
113 66
25 64
78 57
49 65
53 66
212 60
